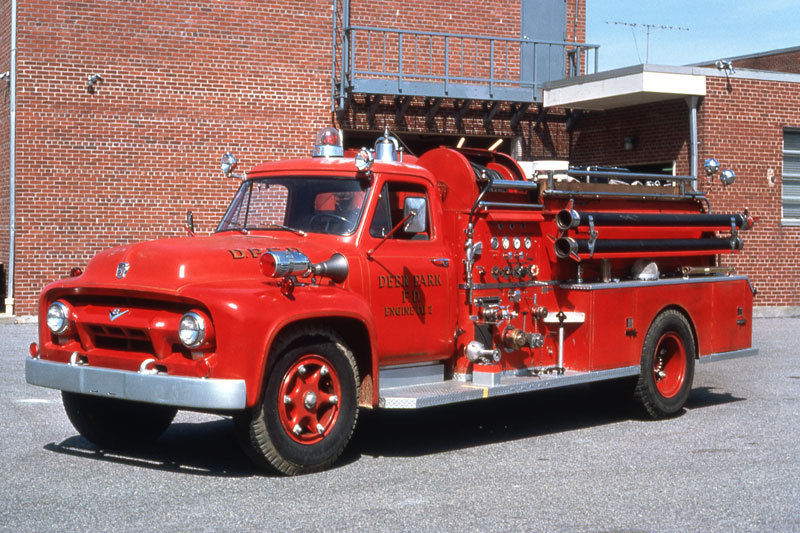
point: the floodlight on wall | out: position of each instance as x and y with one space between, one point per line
726 65
6 77
630 142
94 82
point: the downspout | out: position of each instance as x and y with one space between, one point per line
694 157
575 24
12 134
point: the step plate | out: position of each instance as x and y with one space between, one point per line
418 396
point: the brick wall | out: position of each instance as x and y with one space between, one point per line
778 61
743 128
424 56
576 28
5 52
184 82
660 133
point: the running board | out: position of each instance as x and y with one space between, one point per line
723 356
445 392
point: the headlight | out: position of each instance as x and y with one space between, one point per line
58 317
192 330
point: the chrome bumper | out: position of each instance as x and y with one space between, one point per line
177 391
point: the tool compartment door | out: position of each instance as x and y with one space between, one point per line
732 327
616 329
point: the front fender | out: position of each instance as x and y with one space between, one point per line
248 321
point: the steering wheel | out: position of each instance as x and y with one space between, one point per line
328 219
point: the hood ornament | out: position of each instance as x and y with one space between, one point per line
122 270
116 313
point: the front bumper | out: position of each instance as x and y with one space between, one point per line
177 391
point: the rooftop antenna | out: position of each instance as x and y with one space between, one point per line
650 28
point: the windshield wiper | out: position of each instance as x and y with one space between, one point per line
238 227
287 228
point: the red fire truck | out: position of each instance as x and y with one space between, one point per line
376 279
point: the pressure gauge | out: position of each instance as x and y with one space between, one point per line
495 243
517 243
506 243
528 243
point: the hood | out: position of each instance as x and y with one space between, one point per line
172 264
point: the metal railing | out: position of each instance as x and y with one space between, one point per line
448 65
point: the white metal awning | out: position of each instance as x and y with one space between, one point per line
640 84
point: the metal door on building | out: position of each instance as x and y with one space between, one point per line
543 20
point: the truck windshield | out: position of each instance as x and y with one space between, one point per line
298 204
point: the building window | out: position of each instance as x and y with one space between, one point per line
790 193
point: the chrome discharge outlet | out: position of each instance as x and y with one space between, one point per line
476 353
515 339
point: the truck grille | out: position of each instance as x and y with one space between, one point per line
120 339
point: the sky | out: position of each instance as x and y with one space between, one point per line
716 30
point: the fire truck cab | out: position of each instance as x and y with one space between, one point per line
376 279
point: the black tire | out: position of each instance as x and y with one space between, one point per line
111 423
667 368
306 433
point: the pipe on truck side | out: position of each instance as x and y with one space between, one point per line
568 246
569 219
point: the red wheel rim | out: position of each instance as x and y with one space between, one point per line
308 399
669 365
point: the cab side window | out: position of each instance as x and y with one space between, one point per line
389 211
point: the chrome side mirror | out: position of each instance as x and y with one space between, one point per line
416 209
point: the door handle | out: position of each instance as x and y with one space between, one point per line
440 261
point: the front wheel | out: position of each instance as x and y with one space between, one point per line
309 409
113 423
667 367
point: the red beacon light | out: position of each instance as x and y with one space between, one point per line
328 143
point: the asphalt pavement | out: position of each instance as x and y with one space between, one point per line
563 460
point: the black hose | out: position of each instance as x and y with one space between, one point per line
566 246
566 219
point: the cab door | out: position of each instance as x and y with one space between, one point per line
410 276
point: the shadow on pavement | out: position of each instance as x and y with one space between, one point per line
210 448
203 449
706 397
453 427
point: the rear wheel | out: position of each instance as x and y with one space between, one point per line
114 423
667 367
309 407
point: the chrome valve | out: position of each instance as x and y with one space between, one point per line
497 314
